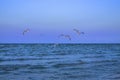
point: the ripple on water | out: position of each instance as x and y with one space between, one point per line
62 65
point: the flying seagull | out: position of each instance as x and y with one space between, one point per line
25 31
78 32
66 36
61 35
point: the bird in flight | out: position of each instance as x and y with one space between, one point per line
25 31
78 32
66 36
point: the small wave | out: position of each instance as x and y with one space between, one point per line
37 67
11 67
114 77
3 50
60 65
4 72
20 59
104 61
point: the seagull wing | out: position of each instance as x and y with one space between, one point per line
68 36
27 30
77 31
82 33
61 35
23 33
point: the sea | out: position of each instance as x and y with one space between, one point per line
59 61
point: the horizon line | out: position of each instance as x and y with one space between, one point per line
60 43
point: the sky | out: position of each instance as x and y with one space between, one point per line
47 19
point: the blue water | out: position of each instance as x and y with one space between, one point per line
60 62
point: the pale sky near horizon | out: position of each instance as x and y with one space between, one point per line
46 19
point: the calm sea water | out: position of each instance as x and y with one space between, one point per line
60 62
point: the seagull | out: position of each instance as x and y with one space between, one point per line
66 36
61 35
78 32
26 30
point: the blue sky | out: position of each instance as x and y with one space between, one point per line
46 19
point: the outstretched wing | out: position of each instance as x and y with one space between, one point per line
61 35
26 30
77 31
68 36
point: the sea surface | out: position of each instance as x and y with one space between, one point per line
59 61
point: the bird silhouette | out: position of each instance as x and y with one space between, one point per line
25 31
78 32
66 36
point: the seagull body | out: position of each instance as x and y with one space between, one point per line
25 31
66 36
61 35
78 32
